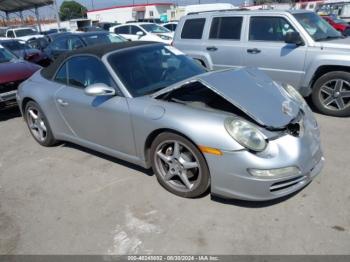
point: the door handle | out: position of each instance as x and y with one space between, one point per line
62 102
253 51
212 48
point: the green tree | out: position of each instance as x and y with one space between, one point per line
71 10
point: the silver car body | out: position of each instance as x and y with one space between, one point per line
124 126
285 63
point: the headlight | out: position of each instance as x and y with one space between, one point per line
246 134
278 172
293 93
164 37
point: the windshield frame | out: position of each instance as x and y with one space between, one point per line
331 32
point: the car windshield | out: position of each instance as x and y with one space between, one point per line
15 45
25 32
5 56
317 27
145 70
340 21
153 28
103 39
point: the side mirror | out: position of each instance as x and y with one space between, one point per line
99 89
140 34
293 38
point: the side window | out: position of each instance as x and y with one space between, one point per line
10 34
122 30
226 28
86 70
60 44
74 43
269 28
193 28
61 75
135 29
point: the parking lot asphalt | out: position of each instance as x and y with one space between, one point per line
70 200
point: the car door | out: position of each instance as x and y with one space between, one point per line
101 121
224 44
265 48
125 32
134 30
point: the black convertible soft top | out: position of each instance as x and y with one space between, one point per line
97 50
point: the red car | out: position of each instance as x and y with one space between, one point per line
12 72
338 24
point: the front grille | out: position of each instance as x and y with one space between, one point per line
11 86
286 184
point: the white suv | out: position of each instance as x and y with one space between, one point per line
143 32
22 33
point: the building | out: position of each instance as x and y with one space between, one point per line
122 14
176 12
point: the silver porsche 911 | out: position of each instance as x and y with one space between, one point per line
234 132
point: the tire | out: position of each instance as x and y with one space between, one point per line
328 94
170 174
39 129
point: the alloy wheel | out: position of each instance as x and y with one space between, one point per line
36 124
177 165
335 94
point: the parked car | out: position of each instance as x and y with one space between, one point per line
106 25
12 72
171 26
22 33
143 32
338 24
296 47
26 52
75 41
236 132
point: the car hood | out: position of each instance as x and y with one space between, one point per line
341 43
253 92
16 70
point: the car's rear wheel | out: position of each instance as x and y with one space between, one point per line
179 165
331 94
38 124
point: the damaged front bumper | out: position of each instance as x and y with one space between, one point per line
231 174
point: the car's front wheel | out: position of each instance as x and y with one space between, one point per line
331 94
179 165
38 124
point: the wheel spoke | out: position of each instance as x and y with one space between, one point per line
328 100
41 133
42 125
176 152
326 89
184 179
189 165
340 103
338 85
168 176
345 94
163 157
33 126
32 114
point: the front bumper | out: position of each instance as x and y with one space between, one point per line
230 177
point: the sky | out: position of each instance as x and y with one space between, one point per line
48 12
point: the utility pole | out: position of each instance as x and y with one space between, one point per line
57 14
